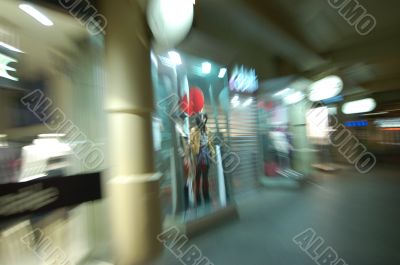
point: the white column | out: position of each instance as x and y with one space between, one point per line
134 189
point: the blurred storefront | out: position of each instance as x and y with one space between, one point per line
287 152
244 129
52 133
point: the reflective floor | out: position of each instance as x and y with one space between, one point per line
357 215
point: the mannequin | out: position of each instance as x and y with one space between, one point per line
203 151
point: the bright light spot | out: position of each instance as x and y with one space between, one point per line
359 106
154 59
222 73
175 57
388 123
332 110
325 88
376 113
294 98
235 101
248 102
282 92
206 68
9 47
36 14
235 98
317 123
26 179
243 80
5 68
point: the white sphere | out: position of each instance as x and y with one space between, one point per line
170 21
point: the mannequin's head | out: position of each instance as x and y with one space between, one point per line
201 120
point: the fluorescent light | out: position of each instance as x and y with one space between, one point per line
248 102
359 106
206 68
235 99
326 88
294 98
51 135
222 73
376 113
9 47
175 57
36 14
282 92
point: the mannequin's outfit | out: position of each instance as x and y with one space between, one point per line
203 151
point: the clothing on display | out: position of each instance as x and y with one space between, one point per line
202 149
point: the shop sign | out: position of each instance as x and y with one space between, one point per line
5 68
47 194
243 80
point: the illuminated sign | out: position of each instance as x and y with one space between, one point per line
359 106
388 123
243 80
5 68
356 123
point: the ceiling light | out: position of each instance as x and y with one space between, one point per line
206 68
282 92
359 106
175 57
376 113
325 88
36 14
248 102
51 135
9 47
294 98
222 73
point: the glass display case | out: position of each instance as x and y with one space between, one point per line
190 129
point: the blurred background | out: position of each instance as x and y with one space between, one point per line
100 104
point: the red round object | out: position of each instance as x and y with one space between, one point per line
195 103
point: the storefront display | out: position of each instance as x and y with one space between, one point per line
190 95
